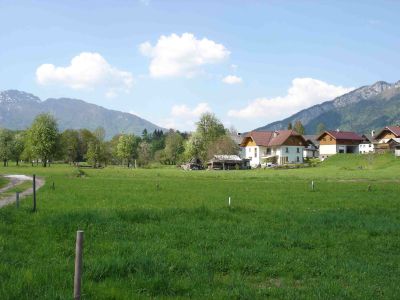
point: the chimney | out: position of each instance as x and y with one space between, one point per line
372 133
338 130
275 134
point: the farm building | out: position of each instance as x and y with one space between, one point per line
311 150
367 145
333 142
280 147
228 162
387 139
193 164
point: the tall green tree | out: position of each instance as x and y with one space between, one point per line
43 136
290 126
209 129
127 148
6 145
173 147
144 153
18 146
223 145
320 128
298 127
93 154
70 145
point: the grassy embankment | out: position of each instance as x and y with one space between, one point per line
168 233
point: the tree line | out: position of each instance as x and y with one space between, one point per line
299 127
43 143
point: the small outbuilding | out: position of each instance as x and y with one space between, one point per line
228 162
193 164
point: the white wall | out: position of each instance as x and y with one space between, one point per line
250 153
291 153
366 148
327 149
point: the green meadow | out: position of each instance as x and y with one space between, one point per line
166 233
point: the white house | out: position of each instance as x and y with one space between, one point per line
281 147
333 142
367 145
311 150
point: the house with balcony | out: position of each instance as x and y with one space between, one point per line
387 140
281 147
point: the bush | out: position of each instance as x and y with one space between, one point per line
78 173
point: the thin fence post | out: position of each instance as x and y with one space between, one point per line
312 185
78 265
34 192
17 199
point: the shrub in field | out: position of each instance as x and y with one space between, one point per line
78 173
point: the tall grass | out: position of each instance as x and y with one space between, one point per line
166 233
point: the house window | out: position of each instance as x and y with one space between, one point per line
298 159
298 150
268 151
255 152
287 150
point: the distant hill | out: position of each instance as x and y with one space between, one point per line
364 109
18 109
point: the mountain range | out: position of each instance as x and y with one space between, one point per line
18 109
362 110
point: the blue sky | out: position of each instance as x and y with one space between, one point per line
249 62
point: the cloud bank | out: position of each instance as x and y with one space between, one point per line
174 55
184 117
86 71
303 93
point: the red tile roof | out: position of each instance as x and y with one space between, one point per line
394 129
267 138
342 135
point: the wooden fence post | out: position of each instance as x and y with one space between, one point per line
17 199
78 265
34 192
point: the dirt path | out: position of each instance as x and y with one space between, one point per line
14 181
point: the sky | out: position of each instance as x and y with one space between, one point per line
248 62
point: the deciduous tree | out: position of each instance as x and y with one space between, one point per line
43 136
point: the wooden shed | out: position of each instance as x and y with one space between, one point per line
228 162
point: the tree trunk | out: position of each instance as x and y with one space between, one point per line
17 162
4 163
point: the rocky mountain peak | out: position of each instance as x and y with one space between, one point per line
362 93
15 97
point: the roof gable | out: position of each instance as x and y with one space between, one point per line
271 138
393 129
342 135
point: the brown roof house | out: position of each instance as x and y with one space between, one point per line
388 139
281 147
333 142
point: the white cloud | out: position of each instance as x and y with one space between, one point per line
86 71
303 93
184 118
183 55
232 79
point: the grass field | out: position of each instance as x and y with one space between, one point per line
167 233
